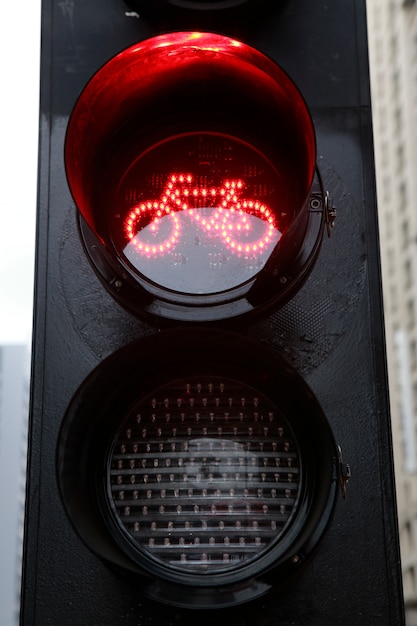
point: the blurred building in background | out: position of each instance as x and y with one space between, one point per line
14 405
392 26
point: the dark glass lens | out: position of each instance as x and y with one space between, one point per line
204 475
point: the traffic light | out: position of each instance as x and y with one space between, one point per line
206 343
205 212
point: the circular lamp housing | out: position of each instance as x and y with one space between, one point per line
192 160
207 477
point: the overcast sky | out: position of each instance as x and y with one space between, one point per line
19 71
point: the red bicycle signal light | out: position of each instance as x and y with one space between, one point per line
192 158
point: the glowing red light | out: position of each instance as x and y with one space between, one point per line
228 219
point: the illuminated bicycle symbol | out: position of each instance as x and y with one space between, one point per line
219 211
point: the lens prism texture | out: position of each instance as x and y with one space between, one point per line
204 475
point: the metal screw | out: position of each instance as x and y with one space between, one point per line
315 203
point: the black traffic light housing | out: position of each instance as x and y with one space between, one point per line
181 11
95 364
209 477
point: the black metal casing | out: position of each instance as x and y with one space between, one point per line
331 331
